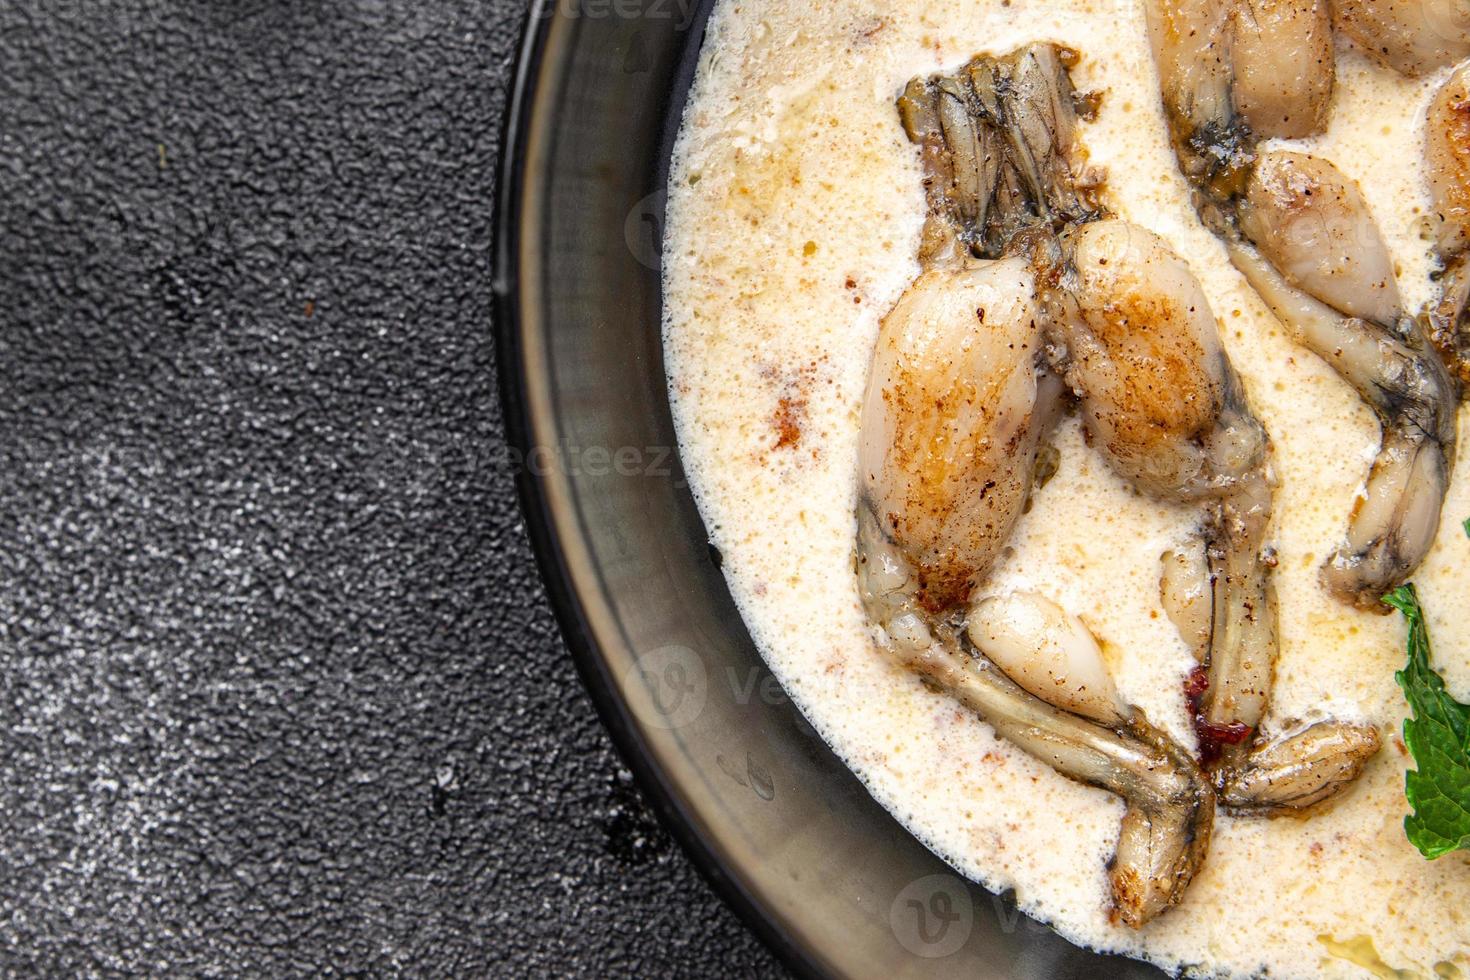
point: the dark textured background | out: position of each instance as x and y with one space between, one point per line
279 690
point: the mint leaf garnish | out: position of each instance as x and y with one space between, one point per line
1438 737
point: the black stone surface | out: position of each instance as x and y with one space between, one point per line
279 690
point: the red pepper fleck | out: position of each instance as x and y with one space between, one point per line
1230 733
1213 737
1196 682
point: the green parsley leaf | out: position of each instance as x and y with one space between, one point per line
1438 737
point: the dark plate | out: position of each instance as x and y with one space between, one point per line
785 831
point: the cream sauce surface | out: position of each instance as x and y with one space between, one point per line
793 220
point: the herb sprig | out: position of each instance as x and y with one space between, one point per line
1438 737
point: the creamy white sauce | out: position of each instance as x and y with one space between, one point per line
794 213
